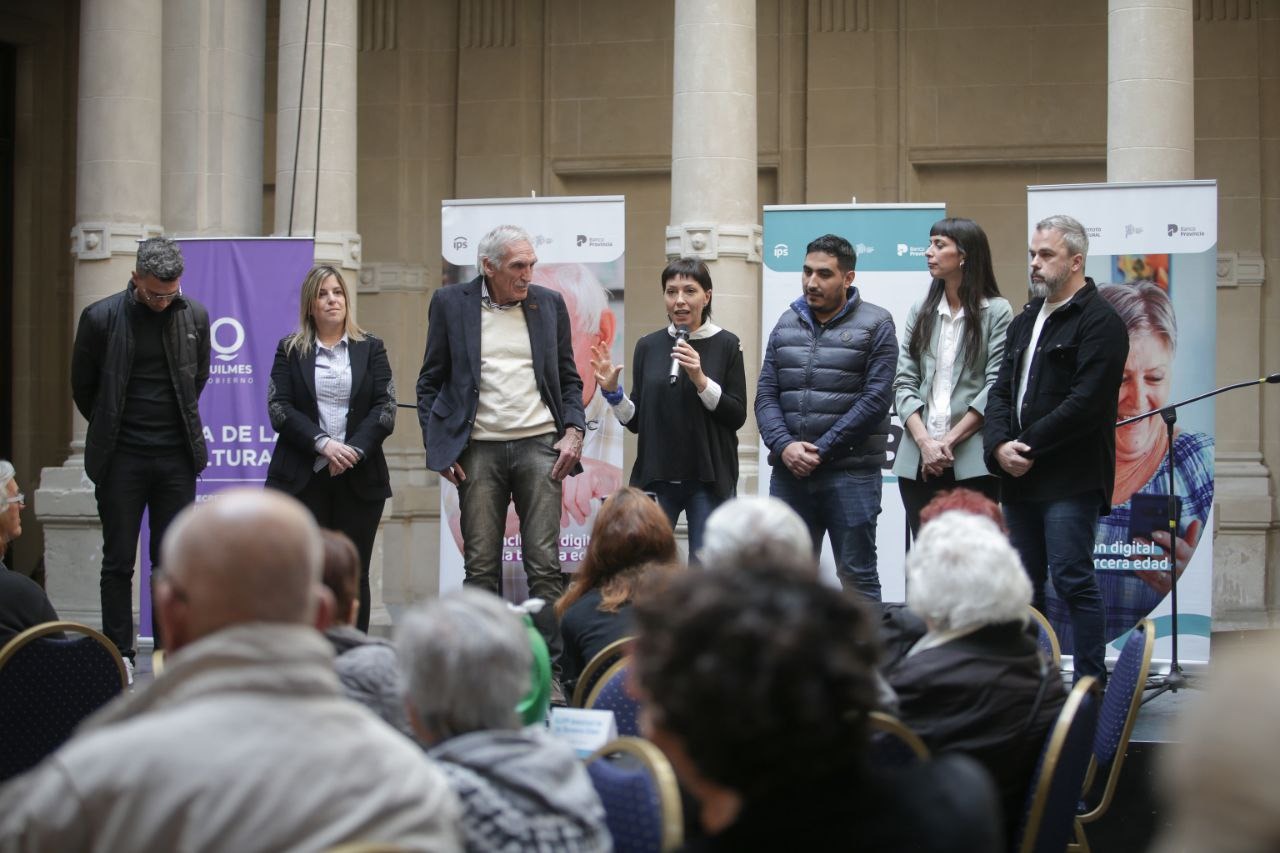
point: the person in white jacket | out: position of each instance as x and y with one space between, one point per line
246 741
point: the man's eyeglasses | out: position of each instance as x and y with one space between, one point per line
158 298
20 499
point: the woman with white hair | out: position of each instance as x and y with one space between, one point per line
23 604
976 682
466 661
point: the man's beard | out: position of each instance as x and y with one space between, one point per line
1047 287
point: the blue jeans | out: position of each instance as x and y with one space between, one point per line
1055 541
843 504
696 500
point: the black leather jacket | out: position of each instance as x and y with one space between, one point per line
103 359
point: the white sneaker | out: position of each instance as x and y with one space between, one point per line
128 670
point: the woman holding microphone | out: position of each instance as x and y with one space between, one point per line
688 400
949 356
332 401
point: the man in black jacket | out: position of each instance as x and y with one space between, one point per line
1050 428
141 360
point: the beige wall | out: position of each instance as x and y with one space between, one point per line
885 100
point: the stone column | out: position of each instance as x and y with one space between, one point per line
329 39
117 203
714 212
1150 91
214 62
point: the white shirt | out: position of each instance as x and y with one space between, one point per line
949 328
333 393
1028 355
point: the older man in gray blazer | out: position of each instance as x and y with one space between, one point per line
500 404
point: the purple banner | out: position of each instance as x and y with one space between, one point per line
250 287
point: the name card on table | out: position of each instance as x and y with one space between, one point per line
584 729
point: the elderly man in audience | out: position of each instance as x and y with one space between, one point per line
751 528
467 662
1219 777
366 665
246 742
23 604
976 683
757 686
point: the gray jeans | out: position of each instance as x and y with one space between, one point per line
499 472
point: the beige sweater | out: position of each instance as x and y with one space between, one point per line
510 406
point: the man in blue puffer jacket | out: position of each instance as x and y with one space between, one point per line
822 406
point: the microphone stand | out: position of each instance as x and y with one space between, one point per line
1175 679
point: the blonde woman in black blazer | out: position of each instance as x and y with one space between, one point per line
332 400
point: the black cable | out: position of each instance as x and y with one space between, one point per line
315 209
297 138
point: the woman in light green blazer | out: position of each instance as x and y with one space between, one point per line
948 358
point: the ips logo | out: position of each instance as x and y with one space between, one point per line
780 250
226 344
459 242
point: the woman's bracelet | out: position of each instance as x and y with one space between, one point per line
613 398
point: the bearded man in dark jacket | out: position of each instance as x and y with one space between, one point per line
140 362
822 406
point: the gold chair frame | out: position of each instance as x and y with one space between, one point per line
879 721
44 629
659 769
1053 751
592 673
1081 843
1040 619
612 670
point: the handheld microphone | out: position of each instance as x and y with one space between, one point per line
1273 379
682 334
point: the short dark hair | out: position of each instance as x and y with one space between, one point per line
694 269
160 257
765 676
838 247
341 571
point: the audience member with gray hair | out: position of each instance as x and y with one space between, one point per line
467 662
23 604
1218 779
750 529
976 682
246 742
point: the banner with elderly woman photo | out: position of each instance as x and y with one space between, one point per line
579 243
1153 255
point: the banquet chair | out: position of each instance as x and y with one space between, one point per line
892 743
1120 703
610 694
48 685
640 795
1047 639
1059 776
595 667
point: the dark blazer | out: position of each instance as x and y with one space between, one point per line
449 382
1069 410
371 416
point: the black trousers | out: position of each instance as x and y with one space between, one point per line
337 507
160 483
917 493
